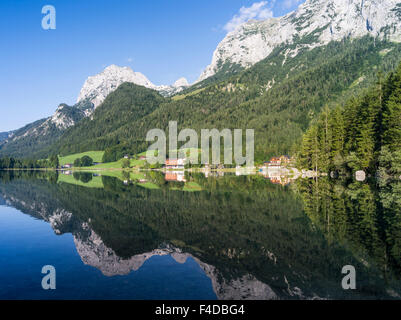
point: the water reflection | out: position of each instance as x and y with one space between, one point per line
365 217
251 238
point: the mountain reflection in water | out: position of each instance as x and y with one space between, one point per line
251 238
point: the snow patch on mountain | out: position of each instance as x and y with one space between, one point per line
322 20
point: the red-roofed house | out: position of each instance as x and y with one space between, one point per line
175 164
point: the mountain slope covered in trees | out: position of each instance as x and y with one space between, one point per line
122 110
278 97
365 134
30 140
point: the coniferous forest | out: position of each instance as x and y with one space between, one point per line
346 96
362 134
278 97
272 173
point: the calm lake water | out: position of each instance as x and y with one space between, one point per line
187 236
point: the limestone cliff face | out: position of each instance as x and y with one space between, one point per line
321 21
96 88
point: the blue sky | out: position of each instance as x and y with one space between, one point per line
163 39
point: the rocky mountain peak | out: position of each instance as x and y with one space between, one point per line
181 82
96 88
314 23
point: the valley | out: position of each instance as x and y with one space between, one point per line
277 86
272 173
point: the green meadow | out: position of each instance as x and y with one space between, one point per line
97 156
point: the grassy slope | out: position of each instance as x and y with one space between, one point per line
136 163
95 155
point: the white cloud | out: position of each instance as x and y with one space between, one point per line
258 11
288 4
129 59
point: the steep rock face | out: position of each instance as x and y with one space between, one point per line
4 136
181 82
42 133
96 88
64 117
314 23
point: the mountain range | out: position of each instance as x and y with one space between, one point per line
273 76
97 88
314 23
39 135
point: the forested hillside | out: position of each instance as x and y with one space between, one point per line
278 98
112 121
363 134
31 140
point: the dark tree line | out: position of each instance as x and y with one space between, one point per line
85 161
12 163
364 134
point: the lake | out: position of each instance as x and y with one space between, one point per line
128 235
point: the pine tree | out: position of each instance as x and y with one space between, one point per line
392 115
337 128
